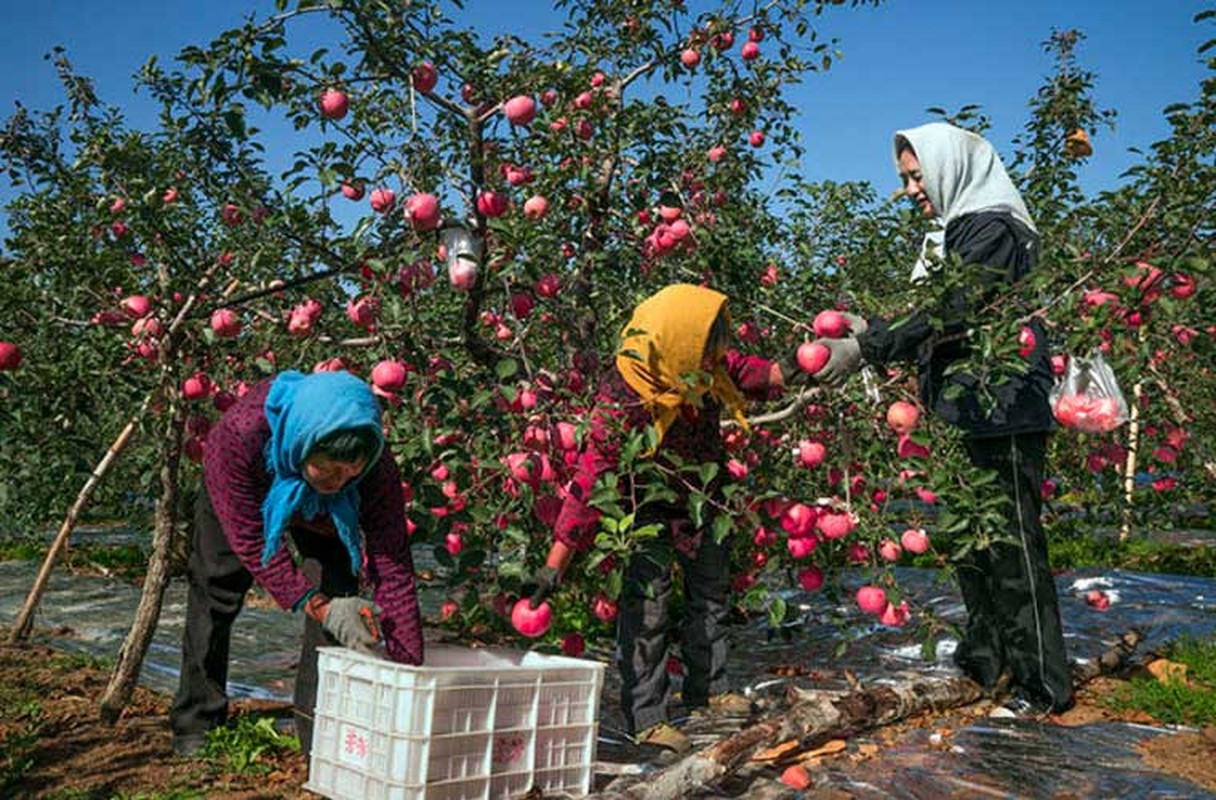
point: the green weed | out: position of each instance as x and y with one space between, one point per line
239 746
1177 702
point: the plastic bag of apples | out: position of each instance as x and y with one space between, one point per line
1087 397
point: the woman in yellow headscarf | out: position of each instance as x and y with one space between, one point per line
673 371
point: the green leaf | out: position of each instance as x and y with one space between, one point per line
696 509
614 584
506 368
723 525
776 612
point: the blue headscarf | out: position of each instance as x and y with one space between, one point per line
302 410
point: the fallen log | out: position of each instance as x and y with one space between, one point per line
819 716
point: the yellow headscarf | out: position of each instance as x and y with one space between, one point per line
664 342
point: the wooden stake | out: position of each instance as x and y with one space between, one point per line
1129 466
25 619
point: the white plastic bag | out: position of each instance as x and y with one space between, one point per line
1087 398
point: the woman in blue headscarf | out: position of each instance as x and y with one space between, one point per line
299 457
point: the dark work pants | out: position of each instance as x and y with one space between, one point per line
218 583
642 624
1012 608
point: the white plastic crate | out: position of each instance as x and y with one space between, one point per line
484 724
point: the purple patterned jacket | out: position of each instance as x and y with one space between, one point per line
237 480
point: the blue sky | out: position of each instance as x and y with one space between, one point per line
898 60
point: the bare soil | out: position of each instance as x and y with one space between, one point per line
69 752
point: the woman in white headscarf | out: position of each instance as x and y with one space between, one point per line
1013 624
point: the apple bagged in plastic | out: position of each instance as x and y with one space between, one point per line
1087 397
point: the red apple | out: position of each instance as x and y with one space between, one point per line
10 356
548 285
836 524
520 110
352 190
136 306
902 416
425 77
910 448
756 138
811 578
334 104
225 322
147 327
801 547
522 305
1026 342
573 644
812 356
422 211
797 777
382 200
604 608
871 599
915 540
690 58
192 449
535 207
492 204
717 153
462 273
1183 286
830 324
389 375
197 386
531 622
798 520
750 51
894 615
889 550
1098 599
567 436
811 454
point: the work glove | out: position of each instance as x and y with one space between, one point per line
793 375
543 582
857 324
353 621
844 361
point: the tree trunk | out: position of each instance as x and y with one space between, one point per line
156 580
819 716
131 656
25 619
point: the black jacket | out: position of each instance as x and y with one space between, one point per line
1010 250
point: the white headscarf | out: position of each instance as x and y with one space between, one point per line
962 175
